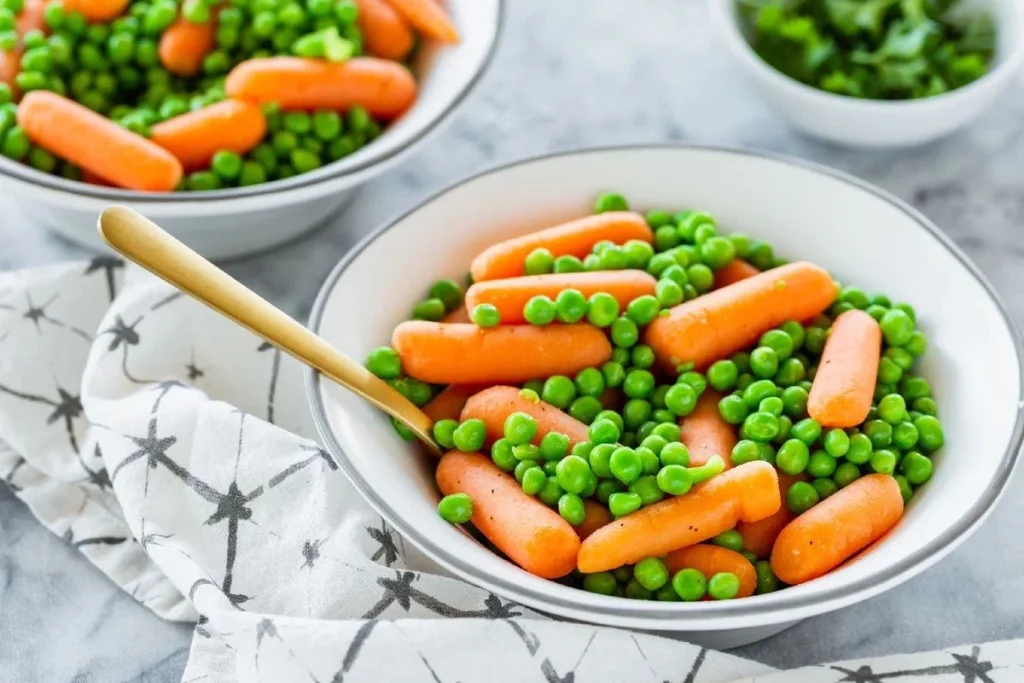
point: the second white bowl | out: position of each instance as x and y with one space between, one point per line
878 123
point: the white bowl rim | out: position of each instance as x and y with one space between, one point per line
20 171
721 10
632 609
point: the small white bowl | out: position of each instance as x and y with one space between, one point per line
858 232
238 221
879 123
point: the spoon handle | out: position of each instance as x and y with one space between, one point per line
147 244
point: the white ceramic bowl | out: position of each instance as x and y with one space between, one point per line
238 221
807 212
877 123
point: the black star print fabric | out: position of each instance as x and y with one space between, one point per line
173 450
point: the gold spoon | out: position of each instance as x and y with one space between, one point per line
141 240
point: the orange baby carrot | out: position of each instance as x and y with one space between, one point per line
97 144
745 493
509 296
532 535
448 404
184 45
460 353
31 17
10 64
705 433
759 536
820 539
726 320
494 405
96 11
575 238
842 390
459 315
382 87
595 516
712 559
429 17
194 137
737 270
386 34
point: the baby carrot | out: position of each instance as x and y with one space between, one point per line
196 136
96 11
845 384
459 315
759 536
575 238
448 404
460 353
382 87
724 321
595 516
97 144
820 539
31 17
745 493
429 17
532 535
737 270
494 405
386 34
509 296
712 559
705 433
184 45
10 61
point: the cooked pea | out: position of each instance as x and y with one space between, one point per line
917 344
567 264
821 464
384 362
897 326
604 309
892 409
623 503
733 409
485 315
793 457
540 311
926 406
913 388
554 446
502 455
551 493
766 581
701 277
610 201
837 443
571 306
717 252
906 491
429 309
745 451
539 262
732 539
860 449
916 468
602 583
724 586
760 426
585 409
456 508
722 375
930 434
681 399
825 487
559 391
794 402
674 453
846 474
801 497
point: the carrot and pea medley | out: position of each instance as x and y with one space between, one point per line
162 95
644 406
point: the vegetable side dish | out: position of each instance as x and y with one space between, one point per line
876 49
642 406
154 95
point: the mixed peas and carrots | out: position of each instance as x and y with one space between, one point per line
671 412
160 95
874 49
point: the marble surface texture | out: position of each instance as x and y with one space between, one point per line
568 74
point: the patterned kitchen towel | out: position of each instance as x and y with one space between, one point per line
175 451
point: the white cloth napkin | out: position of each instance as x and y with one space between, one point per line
175 451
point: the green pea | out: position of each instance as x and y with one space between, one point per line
733 409
917 344
624 332
675 273
825 487
346 11
40 159
681 399
905 436
695 380
722 375
764 362
724 586
647 488
821 464
879 431
568 264
444 431
717 252
892 409
610 201
659 265
554 446
539 262
8 40
930 434
623 503
638 384
570 507
227 165
732 539
634 591
31 80
801 497
757 391
745 451
846 474
384 362
599 459
791 371
625 465
651 573
897 326
889 372
772 405
760 426
883 461
690 585
621 356
636 412
428 309
502 455
456 508
913 388
778 341
589 382
668 293
602 583
642 310
674 453
766 581
916 468
485 315
669 431
807 431
793 457
814 339
524 466
449 292
859 449
926 406
785 426
604 309
766 452
203 181
701 277
607 487
559 391
638 253
836 443
519 428
570 306
796 334
906 490
539 310
794 402
704 232
665 237
642 356
654 443
551 493
585 409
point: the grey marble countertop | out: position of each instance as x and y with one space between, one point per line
568 74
